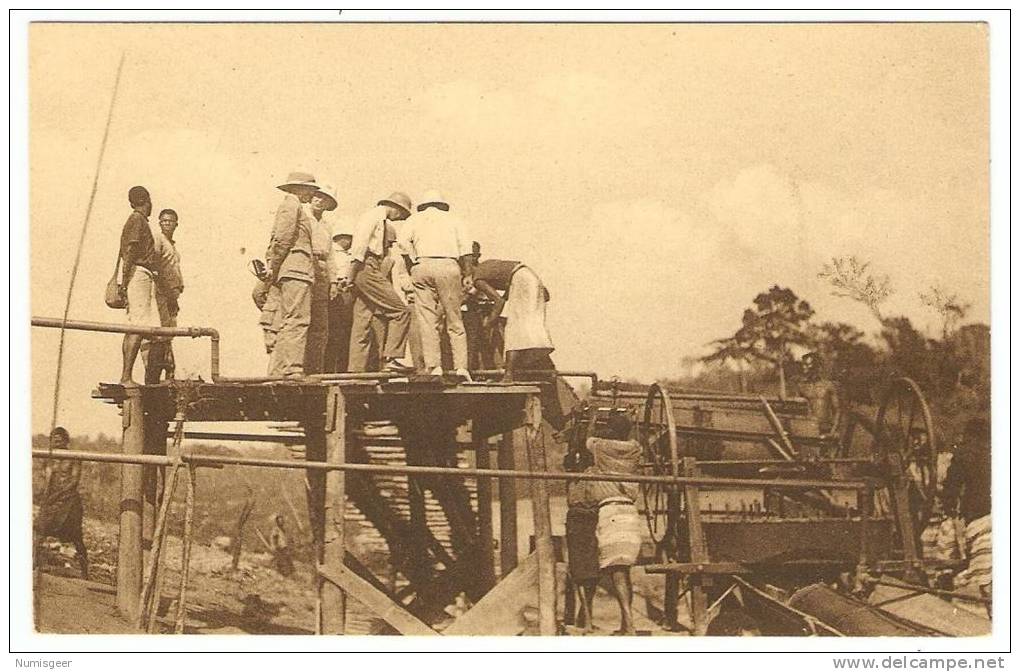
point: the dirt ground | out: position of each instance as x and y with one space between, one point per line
252 599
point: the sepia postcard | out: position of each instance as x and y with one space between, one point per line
452 326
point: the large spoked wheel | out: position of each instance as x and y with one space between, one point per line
657 435
904 427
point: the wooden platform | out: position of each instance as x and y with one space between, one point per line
428 413
305 400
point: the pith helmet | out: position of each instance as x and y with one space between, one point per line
329 192
433 199
341 227
298 179
398 199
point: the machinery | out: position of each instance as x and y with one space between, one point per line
818 511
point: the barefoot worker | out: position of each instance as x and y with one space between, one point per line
619 526
61 512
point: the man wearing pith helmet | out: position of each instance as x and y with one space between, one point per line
373 292
438 247
291 270
323 201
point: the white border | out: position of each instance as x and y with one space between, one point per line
20 586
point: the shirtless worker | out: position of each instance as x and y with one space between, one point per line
61 511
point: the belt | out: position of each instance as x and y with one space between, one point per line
615 500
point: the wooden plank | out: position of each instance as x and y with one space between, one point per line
334 600
501 612
544 550
381 605
930 611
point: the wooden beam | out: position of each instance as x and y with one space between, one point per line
129 547
698 551
507 507
501 611
541 515
382 605
484 492
334 598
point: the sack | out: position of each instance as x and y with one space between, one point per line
116 293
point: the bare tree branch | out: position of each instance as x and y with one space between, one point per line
851 279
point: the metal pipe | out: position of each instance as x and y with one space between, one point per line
699 396
703 481
318 377
769 463
166 332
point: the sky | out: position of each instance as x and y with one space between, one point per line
657 177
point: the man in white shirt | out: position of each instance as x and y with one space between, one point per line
323 200
438 248
374 295
341 301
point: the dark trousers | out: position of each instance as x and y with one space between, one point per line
374 296
338 343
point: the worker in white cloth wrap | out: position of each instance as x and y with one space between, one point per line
619 526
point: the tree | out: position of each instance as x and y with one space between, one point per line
777 321
850 279
850 361
948 306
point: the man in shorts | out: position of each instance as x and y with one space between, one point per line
139 267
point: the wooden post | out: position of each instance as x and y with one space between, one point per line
334 599
129 544
540 513
696 538
488 568
507 507
315 489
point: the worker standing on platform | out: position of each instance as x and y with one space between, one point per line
395 268
139 266
61 512
323 200
374 295
520 296
438 250
291 269
158 354
341 302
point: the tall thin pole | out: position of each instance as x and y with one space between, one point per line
81 242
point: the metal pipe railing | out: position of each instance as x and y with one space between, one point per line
166 332
208 460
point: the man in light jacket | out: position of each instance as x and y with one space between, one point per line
291 269
374 295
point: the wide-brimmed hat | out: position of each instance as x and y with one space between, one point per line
298 179
341 227
398 199
433 199
329 191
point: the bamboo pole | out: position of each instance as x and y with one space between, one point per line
189 516
150 586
